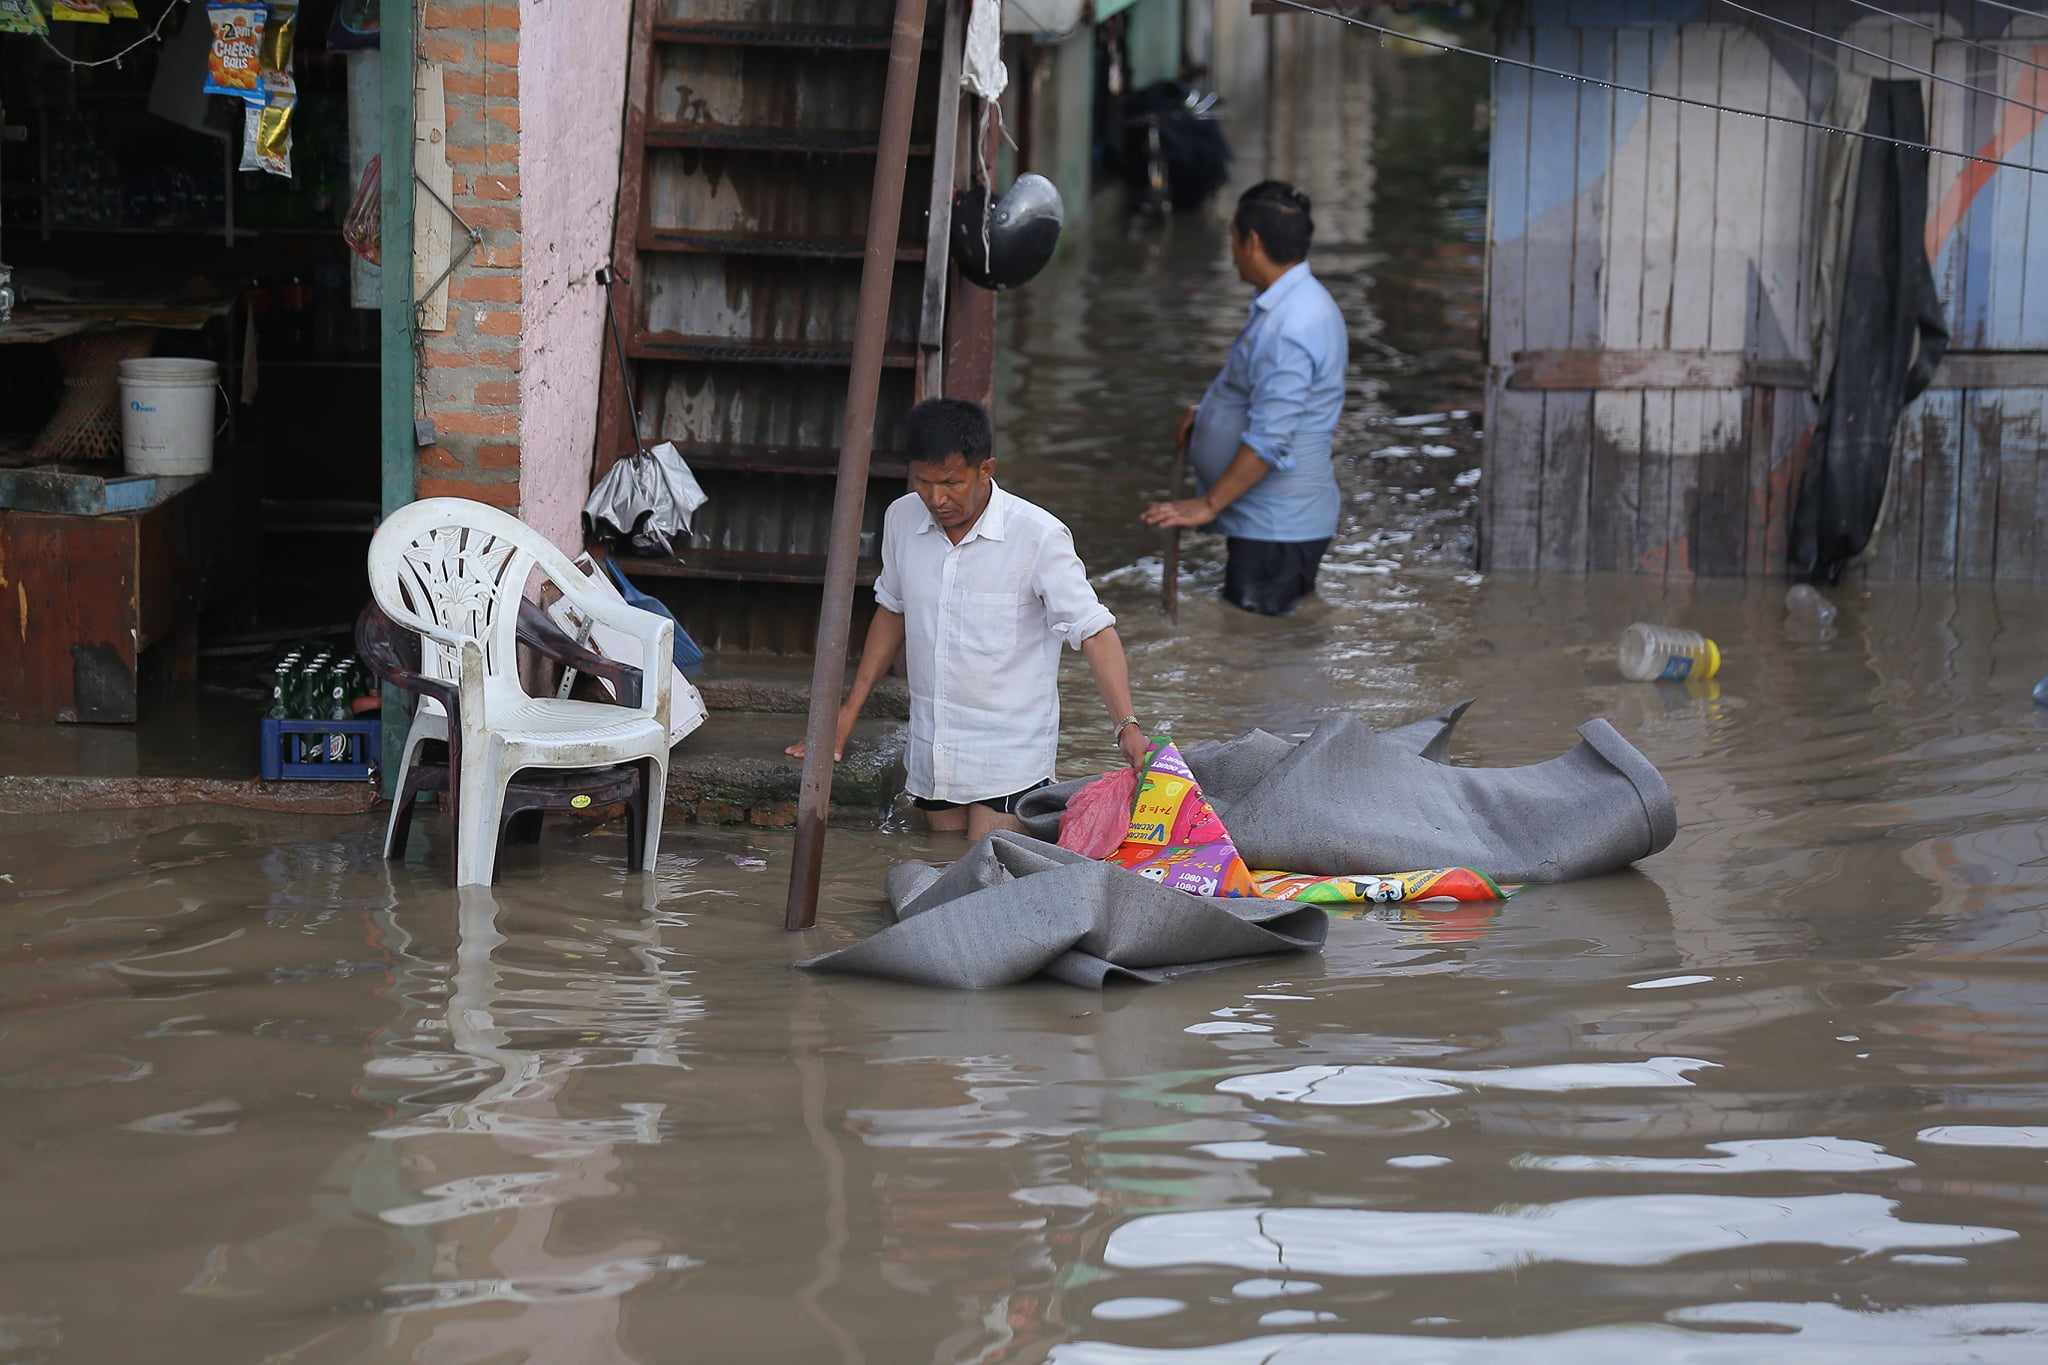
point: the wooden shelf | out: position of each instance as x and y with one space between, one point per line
804 461
816 37
744 566
738 351
784 141
689 241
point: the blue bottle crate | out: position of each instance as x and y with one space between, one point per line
364 747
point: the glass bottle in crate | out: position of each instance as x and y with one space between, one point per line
339 679
280 687
312 706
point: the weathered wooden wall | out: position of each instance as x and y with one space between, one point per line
1649 291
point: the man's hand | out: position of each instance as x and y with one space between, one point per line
798 749
1185 428
1131 739
1186 512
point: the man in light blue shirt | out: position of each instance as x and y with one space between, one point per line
1259 441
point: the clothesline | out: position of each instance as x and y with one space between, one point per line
155 35
1919 71
1539 69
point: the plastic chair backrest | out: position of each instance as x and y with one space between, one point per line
460 567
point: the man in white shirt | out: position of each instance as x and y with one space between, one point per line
985 588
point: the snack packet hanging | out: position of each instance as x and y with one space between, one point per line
123 9
267 136
280 33
79 11
234 67
22 16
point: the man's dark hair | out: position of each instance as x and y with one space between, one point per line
1278 212
940 427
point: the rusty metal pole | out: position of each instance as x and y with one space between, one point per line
1169 583
870 336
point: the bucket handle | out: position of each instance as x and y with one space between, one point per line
227 403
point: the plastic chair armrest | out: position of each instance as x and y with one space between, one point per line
538 630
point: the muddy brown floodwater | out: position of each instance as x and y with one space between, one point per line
1781 1094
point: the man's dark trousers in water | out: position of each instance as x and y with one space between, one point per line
1259 441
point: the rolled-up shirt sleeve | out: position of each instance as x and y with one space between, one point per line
1281 377
1072 610
888 589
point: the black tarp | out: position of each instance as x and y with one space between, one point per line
1890 337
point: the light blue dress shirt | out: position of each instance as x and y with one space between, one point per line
1280 393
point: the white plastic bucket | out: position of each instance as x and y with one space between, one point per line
167 415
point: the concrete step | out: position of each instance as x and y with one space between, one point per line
733 770
778 687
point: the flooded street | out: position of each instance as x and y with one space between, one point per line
1781 1094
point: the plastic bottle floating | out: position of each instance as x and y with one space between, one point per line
1667 654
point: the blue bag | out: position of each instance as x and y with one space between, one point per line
689 657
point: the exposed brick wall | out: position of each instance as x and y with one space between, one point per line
472 370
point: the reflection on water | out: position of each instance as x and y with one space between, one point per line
1779 1094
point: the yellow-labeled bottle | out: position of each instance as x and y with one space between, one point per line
1667 654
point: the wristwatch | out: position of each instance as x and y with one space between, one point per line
1118 733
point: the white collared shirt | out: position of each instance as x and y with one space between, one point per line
983 623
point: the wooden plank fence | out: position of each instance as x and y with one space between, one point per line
1650 293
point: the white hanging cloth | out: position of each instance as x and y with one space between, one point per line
982 71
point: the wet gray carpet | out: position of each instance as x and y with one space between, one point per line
1346 799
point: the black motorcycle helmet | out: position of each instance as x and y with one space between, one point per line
1008 245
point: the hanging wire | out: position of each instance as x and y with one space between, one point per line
1890 61
1947 37
1583 79
2013 9
155 35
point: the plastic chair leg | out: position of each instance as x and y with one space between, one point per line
654 793
478 814
636 825
404 797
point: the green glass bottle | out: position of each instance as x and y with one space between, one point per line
280 686
312 706
338 680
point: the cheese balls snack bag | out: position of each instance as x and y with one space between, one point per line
234 66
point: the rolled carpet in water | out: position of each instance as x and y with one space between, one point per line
1344 800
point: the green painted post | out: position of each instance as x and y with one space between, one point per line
398 443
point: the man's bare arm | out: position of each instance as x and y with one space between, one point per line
1104 651
885 639
1245 471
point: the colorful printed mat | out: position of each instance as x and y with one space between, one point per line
1176 839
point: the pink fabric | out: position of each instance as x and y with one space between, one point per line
1098 816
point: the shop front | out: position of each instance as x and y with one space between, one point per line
191 366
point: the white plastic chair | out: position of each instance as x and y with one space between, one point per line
456 571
